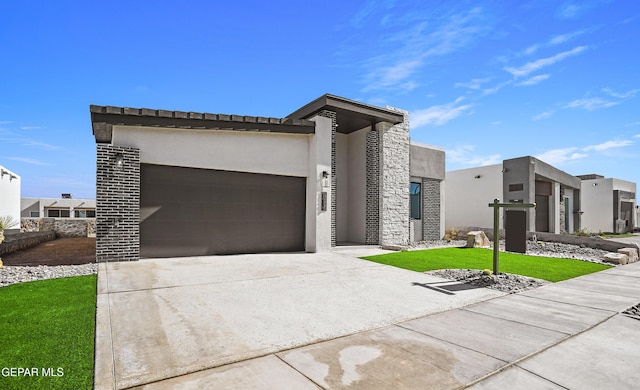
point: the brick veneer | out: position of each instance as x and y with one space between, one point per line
117 204
372 206
334 180
431 209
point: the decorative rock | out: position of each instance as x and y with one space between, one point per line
632 253
616 258
477 239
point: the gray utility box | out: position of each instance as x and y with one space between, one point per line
515 231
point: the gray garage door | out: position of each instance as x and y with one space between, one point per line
191 212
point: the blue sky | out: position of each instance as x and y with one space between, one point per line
485 80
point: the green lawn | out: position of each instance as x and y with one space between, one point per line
48 327
551 269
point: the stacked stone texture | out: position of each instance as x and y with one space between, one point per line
24 240
394 185
118 202
68 227
431 209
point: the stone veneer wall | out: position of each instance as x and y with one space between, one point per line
394 181
563 212
431 209
63 227
334 180
372 206
118 204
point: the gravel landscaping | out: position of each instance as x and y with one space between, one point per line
510 283
12 275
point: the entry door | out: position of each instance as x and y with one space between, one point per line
542 213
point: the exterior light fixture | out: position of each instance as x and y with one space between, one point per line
119 160
595 184
3 172
325 179
477 176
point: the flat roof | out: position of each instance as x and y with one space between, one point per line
350 114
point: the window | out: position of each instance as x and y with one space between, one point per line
415 200
516 187
85 213
34 214
57 213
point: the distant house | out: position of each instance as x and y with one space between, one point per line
518 180
9 194
63 207
609 204
175 183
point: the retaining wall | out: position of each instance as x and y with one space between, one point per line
15 241
63 227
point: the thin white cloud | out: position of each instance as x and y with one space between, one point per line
463 155
41 145
533 80
542 115
473 84
626 95
636 136
591 104
27 160
559 156
608 145
490 91
410 49
569 10
439 114
5 122
533 66
554 40
31 127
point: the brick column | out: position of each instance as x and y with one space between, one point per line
334 181
372 206
117 204
431 209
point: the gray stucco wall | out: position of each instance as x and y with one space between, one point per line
426 162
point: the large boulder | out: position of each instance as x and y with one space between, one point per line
616 258
632 253
477 239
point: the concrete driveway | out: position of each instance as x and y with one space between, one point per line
165 318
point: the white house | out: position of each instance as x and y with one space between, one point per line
63 207
518 180
609 204
173 183
10 195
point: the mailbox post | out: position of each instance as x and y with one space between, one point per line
496 226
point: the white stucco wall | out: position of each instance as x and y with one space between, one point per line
10 195
318 222
597 205
271 153
351 176
467 198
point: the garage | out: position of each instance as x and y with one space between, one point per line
194 212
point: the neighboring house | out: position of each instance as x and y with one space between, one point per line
10 195
63 207
173 183
609 204
518 180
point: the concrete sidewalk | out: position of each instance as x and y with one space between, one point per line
566 335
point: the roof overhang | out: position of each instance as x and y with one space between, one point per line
103 118
350 115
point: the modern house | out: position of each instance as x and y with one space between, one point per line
9 195
63 207
518 180
609 204
174 183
